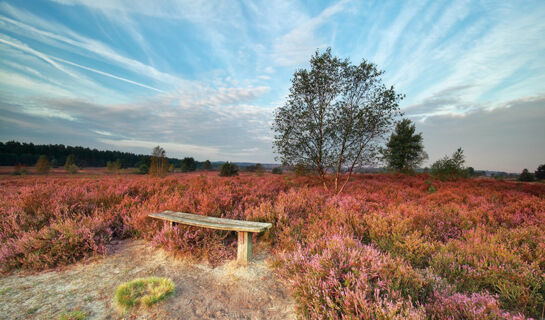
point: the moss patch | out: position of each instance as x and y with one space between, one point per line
143 291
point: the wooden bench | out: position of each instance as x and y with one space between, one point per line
244 228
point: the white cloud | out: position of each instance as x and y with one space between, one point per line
298 44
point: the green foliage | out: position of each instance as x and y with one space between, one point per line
72 169
540 172
188 164
526 176
143 169
113 166
404 150
229 169
431 187
73 315
19 170
43 166
206 165
70 160
335 116
143 291
277 170
449 168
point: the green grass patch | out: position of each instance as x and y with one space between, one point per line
143 291
73 315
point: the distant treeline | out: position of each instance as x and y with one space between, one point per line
13 153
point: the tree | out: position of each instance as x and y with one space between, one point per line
188 164
207 165
229 169
526 176
70 160
404 150
43 166
450 167
540 172
159 162
334 117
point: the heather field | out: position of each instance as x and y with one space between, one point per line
391 246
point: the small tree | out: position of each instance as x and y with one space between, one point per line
404 150
70 160
450 167
159 162
206 165
526 176
229 169
540 172
43 166
334 117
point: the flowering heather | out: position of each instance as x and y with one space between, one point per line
386 248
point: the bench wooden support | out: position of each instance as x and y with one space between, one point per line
245 229
244 252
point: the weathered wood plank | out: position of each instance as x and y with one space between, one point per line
244 252
211 222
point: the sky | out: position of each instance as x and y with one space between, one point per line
202 78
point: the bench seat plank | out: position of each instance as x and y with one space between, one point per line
211 222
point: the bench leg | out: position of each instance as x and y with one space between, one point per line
172 224
244 254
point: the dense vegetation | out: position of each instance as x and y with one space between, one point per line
27 154
388 247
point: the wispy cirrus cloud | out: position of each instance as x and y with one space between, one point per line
209 74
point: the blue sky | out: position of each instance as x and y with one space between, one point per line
201 78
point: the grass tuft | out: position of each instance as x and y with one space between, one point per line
143 291
73 315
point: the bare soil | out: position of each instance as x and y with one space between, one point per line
202 292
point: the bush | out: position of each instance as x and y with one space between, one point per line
526 176
113 166
43 166
19 170
229 169
449 168
143 291
276 170
72 169
143 169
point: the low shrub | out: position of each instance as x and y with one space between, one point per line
143 291
339 278
228 169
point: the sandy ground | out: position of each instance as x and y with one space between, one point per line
202 292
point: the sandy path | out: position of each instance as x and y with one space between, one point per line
225 292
